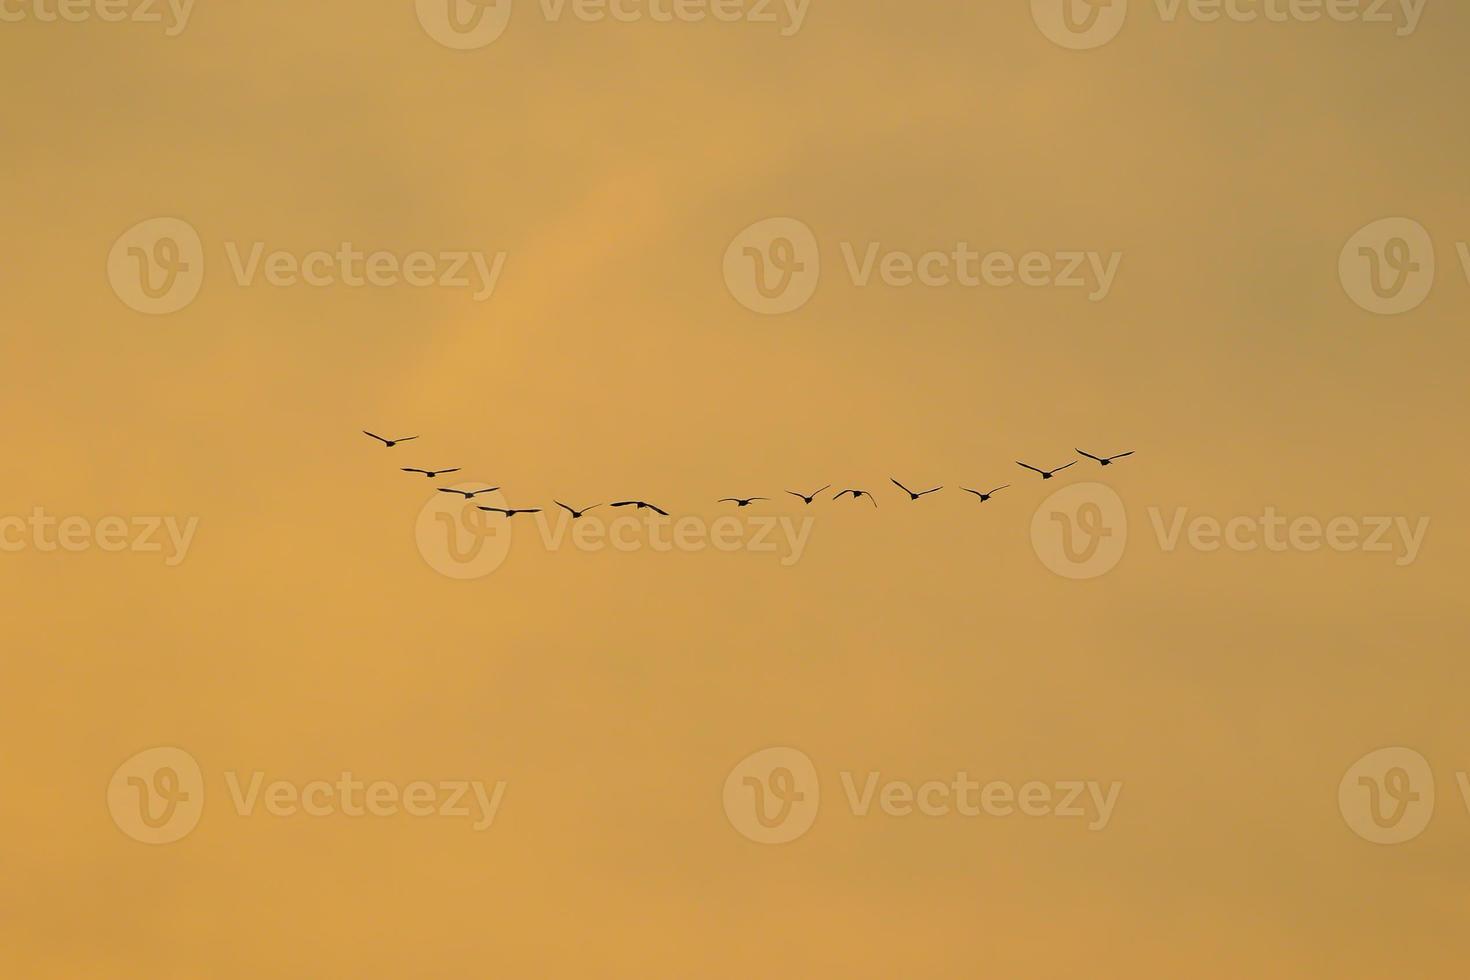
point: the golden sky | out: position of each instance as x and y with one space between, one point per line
241 590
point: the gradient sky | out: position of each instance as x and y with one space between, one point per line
304 634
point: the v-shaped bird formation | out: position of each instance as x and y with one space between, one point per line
856 493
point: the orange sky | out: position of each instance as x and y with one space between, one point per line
253 585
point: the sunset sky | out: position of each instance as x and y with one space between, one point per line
561 308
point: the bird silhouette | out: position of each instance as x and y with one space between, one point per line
468 494
912 495
576 514
641 505
1108 460
511 512
390 443
1045 474
856 494
431 474
985 496
808 498
741 501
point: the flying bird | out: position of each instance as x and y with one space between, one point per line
508 512
808 498
1108 460
741 501
1045 474
390 443
576 514
431 474
985 496
641 505
856 494
468 494
912 495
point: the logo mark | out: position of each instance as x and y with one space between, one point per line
464 25
773 266
1080 24
1080 532
157 796
1387 797
157 266
772 797
1388 266
459 540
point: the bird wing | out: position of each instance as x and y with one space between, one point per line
1121 455
1030 467
406 439
657 510
871 499
375 436
801 495
623 503
564 507
928 492
442 472
1060 468
729 500
411 469
901 486
975 492
1089 455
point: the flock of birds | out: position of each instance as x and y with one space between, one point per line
739 502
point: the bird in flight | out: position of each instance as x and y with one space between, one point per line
912 495
468 494
1107 460
390 443
508 512
1045 474
856 494
808 498
741 501
985 496
576 514
641 505
431 474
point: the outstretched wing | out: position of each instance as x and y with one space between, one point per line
1060 468
374 435
1030 467
1090 456
657 510
1121 455
901 487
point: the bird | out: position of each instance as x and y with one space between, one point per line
912 495
985 496
510 512
741 502
1107 460
390 443
808 498
576 514
641 505
468 494
431 474
1045 474
856 494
